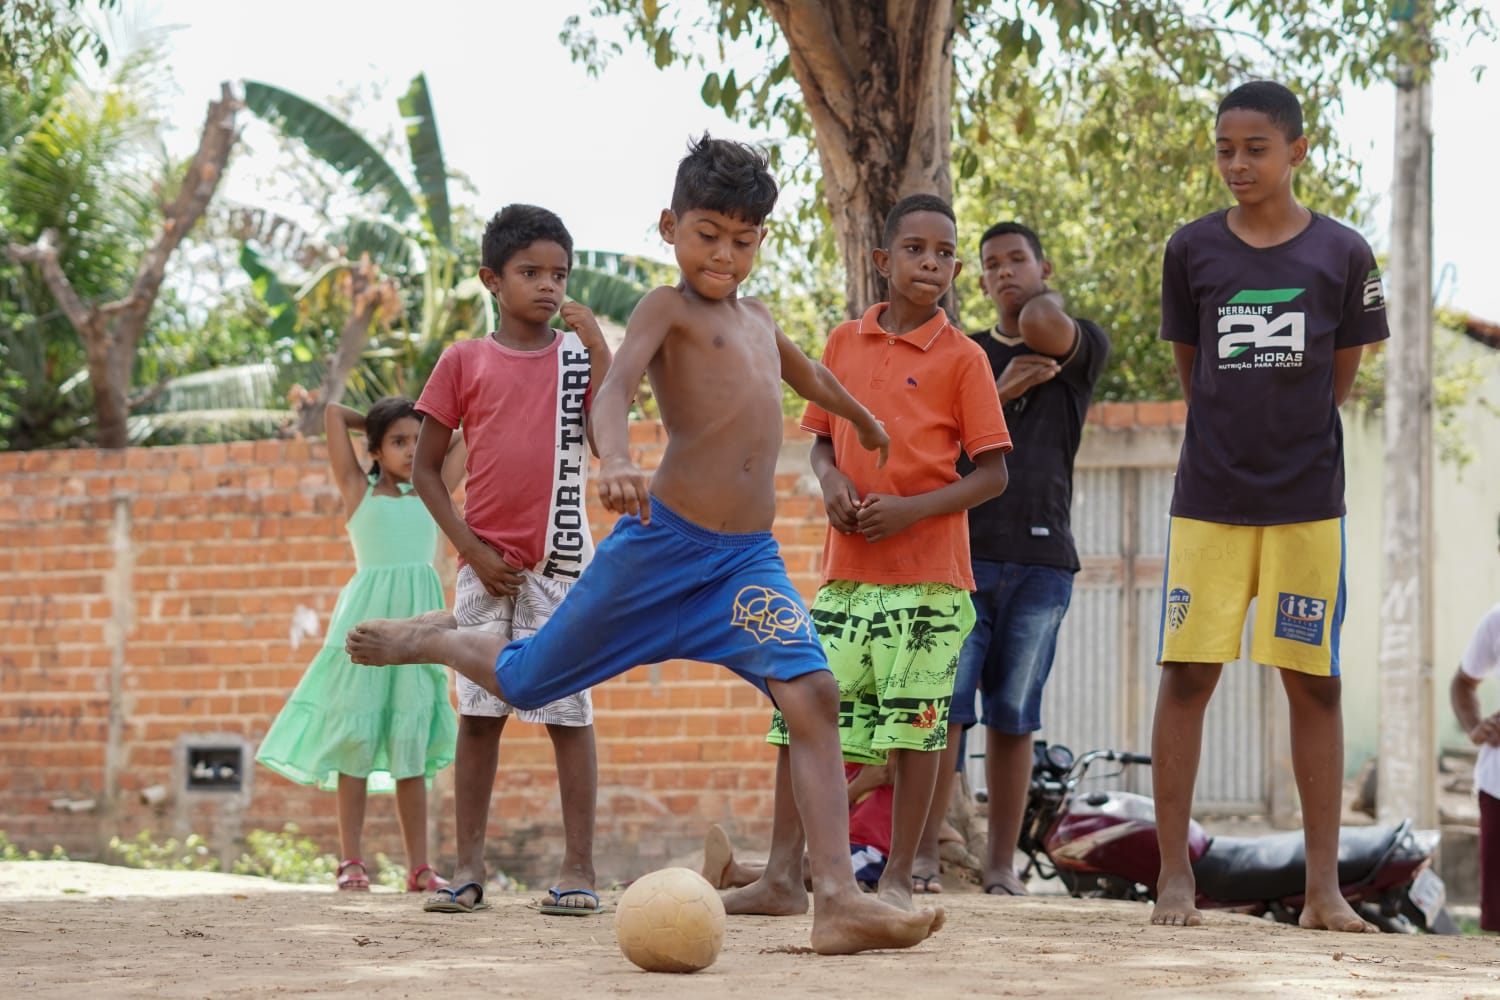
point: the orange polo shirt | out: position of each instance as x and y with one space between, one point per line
933 390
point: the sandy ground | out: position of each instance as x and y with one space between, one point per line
72 929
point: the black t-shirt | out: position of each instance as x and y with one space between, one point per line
1029 523
1264 444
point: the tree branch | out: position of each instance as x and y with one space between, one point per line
43 253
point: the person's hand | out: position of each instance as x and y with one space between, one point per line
883 515
580 319
841 501
1023 372
872 437
1487 732
623 489
499 576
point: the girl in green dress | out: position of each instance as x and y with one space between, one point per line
359 729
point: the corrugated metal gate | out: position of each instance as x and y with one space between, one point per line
1102 691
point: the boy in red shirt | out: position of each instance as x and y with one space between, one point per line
520 396
894 608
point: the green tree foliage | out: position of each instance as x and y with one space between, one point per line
1105 182
37 36
1048 120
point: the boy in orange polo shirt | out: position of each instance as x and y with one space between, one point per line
894 607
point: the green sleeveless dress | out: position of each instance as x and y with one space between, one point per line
380 723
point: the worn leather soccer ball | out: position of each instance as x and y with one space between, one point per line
670 921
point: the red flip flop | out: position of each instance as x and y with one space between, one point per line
352 883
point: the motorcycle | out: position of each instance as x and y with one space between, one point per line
1103 844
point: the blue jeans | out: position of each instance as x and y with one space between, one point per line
1008 655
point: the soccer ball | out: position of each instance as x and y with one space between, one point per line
670 921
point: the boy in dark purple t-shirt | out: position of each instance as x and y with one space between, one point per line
1268 306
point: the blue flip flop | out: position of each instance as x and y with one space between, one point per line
453 904
557 909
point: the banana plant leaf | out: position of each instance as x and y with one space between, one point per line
333 141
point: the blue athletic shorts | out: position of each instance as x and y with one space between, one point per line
1008 655
667 590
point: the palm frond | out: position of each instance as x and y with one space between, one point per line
331 140
427 157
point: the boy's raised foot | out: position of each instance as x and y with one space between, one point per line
385 642
1333 915
768 897
854 921
1174 902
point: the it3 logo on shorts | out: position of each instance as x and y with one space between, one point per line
1300 618
1177 608
768 614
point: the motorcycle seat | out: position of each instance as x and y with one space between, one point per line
1255 869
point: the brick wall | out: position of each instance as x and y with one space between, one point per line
151 594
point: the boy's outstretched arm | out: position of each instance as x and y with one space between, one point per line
816 384
623 488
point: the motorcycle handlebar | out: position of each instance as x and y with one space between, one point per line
1118 756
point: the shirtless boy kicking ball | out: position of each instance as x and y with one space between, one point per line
716 363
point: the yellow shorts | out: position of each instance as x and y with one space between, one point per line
1294 571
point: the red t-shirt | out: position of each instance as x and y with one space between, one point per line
933 389
522 415
870 817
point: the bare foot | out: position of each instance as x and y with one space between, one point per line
1333 915
718 855
386 641
853 921
1004 882
896 890
1175 902
436 619
770 898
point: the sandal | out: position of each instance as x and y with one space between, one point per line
446 899
352 883
434 880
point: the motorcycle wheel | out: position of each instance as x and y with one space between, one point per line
1442 924
1392 923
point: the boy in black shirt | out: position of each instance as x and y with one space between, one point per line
1268 306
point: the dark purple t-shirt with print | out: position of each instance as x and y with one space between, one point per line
1264 444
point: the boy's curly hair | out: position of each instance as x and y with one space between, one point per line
1272 100
516 227
718 175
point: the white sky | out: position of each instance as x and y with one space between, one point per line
602 152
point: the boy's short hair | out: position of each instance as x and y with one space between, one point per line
516 227
1014 228
719 175
907 206
1272 100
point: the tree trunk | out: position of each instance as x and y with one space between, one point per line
877 76
369 294
112 332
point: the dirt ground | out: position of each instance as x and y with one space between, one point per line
72 929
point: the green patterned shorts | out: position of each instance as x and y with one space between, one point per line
894 650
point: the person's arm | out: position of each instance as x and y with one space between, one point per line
580 319
499 577
1345 367
840 498
454 462
816 384
1463 693
623 488
1022 372
883 515
868 778
1183 356
348 476
1047 328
